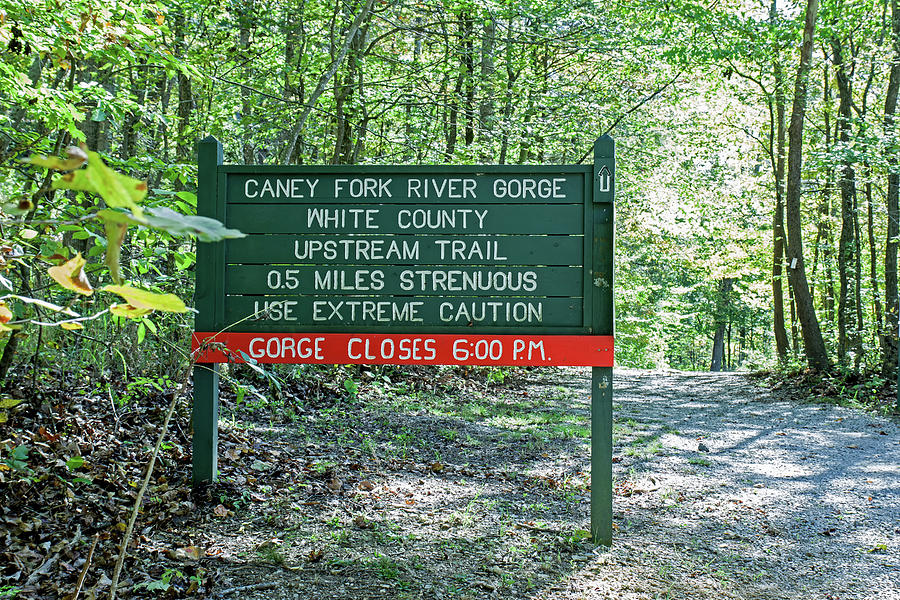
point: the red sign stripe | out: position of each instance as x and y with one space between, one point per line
404 349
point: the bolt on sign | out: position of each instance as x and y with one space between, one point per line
443 265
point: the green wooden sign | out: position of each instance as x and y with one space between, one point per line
483 264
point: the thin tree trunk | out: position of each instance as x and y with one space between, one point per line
824 214
814 346
782 345
245 18
847 330
486 84
720 320
326 77
873 259
889 367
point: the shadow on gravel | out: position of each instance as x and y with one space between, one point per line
476 491
798 500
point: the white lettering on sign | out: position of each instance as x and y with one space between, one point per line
523 351
482 350
454 280
523 189
460 250
441 188
356 250
276 310
491 311
362 280
287 347
406 349
288 280
457 218
351 310
295 187
334 218
365 187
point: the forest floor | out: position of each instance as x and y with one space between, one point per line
449 486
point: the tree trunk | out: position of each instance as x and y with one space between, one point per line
782 345
873 259
824 214
848 334
889 367
720 320
246 128
816 354
486 83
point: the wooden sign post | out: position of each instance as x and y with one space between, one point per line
475 265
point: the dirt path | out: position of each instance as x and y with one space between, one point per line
438 488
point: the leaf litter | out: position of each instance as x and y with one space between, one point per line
443 483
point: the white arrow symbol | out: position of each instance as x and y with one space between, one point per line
605 178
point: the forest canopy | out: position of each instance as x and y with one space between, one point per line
757 209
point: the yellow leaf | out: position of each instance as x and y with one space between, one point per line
10 402
128 311
117 190
3 418
139 298
77 157
70 326
115 235
5 313
71 275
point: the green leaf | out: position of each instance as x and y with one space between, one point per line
10 402
175 223
139 298
76 462
142 333
189 197
150 325
203 228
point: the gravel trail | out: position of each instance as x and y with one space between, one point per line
458 490
754 496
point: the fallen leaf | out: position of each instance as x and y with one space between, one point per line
186 553
315 556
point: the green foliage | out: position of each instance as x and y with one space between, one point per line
687 89
17 458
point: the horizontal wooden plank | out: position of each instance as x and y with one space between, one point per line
410 170
403 188
404 349
300 313
392 218
411 280
406 249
